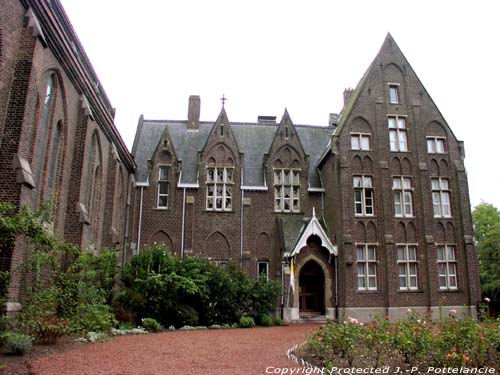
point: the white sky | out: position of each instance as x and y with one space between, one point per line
265 55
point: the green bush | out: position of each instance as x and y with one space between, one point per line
150 325
246 322
16 343
277 321
191 291
266 320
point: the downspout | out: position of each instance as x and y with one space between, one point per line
140 222
336 287
127 225
241 228
183 221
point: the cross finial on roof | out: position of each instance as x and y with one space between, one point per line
223 99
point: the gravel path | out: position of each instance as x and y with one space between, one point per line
219 352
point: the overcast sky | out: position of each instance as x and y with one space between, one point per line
265 55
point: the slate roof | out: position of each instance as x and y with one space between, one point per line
254 140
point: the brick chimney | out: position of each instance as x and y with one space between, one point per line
194 112
347 95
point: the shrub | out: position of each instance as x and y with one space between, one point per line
246 322
49 328
266 320
277 321
150 325
92 318
16 343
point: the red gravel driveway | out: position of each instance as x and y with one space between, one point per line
226 351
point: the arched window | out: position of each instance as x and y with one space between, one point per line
43 131
53 162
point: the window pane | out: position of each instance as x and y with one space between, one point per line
442 282
402 141
369 202
361 252
354 142
220 175
296 206
365 142
408 204
401 253
286 177
393 94
371 253
163 188
396 183
296 177
401 123
406 183
435 184
412 253
393 140
229 175
356 181
430 145
441 253
402 282
372 282
162 201
397 203
367 182
450 250
440 146
391 122
164 173
218 203
210 175
444 184
413 268
277 177
413 282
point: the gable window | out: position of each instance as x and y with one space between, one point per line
394 93
436 145
407 266
220 183
441 197
403 206
286 190
447 267
263 270
397 133
163 185
360 141
363 195
367 266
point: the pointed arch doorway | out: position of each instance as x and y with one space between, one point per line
311 289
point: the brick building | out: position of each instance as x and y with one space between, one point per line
373 210
367 216
58 142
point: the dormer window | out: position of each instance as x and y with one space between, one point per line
394 93
286 190
220 183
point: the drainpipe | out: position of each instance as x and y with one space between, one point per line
183 221
127 225
241 228
140 222
336 288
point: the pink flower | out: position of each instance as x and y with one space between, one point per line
387 317
487 300
352 320
453 312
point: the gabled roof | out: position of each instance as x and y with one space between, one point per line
254 141
313 227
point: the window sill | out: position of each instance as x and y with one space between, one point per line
410 291
364 216
220 211
443 217
161 208
404 217
449 290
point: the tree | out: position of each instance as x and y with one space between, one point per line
486 219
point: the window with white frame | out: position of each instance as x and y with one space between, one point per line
403 194
360 141
394 94
220 183
367 266
163 185
397 133
441 197
447 267
286 190
407 266
436 145
263 269
363 195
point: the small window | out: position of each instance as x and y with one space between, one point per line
220 188
397 133
394 94
286 190
447 267
367 266
403 196
407 266
363 195
436 145
263 270
163 185
441 197
360 141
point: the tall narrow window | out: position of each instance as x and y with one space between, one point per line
286 190
360 141
263 269
394 94
436 145
363 195
163 185
403 202
397 133
407 265
367 266
447 267
220 188
441 197
54 159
